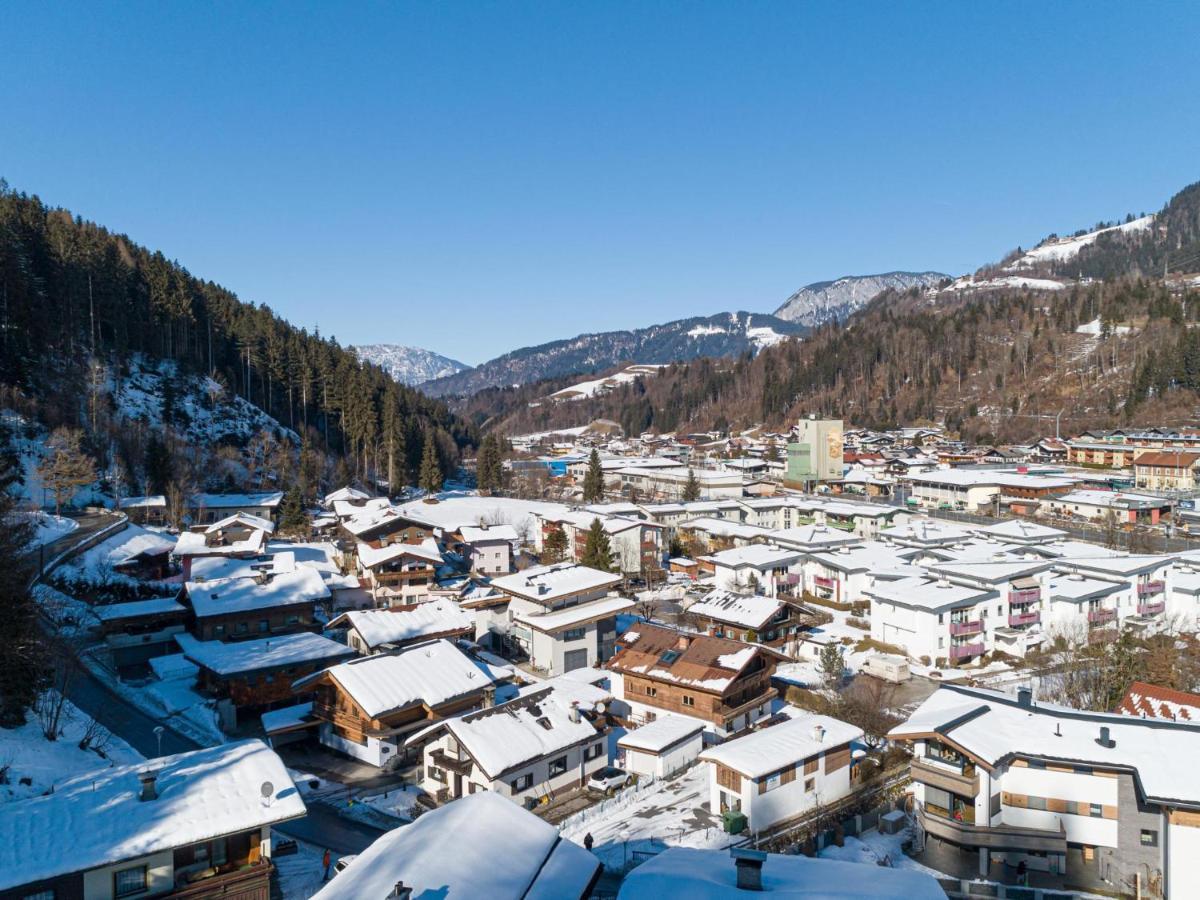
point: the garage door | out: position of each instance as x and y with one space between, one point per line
574 659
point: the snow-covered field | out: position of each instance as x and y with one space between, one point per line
873 848
970 283
49 527
602 385
1063 249
28 755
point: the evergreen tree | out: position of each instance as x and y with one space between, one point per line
691 488
554 546
293 517
22 669
487 465
157 465
597 551
593 481
66 467
431 478
832 664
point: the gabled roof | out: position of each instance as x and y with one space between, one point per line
1151 701
544 584
694 660
246 520
97 818
427 550
406 624
225 596
229 658
744 610
427 674
993 727
777 746
482 845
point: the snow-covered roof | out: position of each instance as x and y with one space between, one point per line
345 494
570 616
374 556
1023 531
128 542
1156 702
269 499
397 626
150 501
193 543
98 818
287 718
687 872
586 686
771 749
429 674
746 610
135 608
237 595
478 534
519 732
872 555
482 845
1114 564
968 478
1076 587
927 593
228 658
755 556
925 531
992 727
991 571
726 528
814 536
243 519
663 732
545 584
699 661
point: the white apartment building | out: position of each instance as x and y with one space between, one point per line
761 568
783 771
1102 802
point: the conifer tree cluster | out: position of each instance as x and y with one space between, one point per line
593 481
597 549
489 464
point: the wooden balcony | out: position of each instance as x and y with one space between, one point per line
995 837
963 783
1016 620
443 760
1150 588
1101 616
966 651
1151 609
250 882
1024 596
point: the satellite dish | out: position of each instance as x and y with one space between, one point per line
600 707
267 790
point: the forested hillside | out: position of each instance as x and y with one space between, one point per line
1118 344
83 310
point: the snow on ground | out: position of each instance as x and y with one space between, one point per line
764 336
49 528
970 283
172 697
299 874
1062 249
397 802
1094 328
670 811
873 848
603 385
94 566
27 754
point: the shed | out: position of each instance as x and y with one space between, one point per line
662 747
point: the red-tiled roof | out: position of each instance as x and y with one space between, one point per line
1152 701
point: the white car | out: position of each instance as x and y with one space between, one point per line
340 865
609 779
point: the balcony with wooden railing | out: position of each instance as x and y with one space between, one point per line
997 837
962 780
1153 608
1101 616
1150 588
961 627
252 880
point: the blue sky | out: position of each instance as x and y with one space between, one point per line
474 177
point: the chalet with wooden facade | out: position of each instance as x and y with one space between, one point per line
195 825
243 608
367 707
724 683
141 629
247 677
399 574
748 617
373 630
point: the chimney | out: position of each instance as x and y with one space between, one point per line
749 865
1104 740
818 732
489 696
683 642
148 779
400 892
1024 698
574 711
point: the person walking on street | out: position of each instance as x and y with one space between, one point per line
587 841
325 864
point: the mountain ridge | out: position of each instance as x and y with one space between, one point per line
823 301
409 365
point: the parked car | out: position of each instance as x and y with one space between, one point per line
609 779
340 865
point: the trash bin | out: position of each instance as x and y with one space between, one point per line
734 821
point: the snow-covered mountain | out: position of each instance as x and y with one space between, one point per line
1057 250
821 301
725 334
409 365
